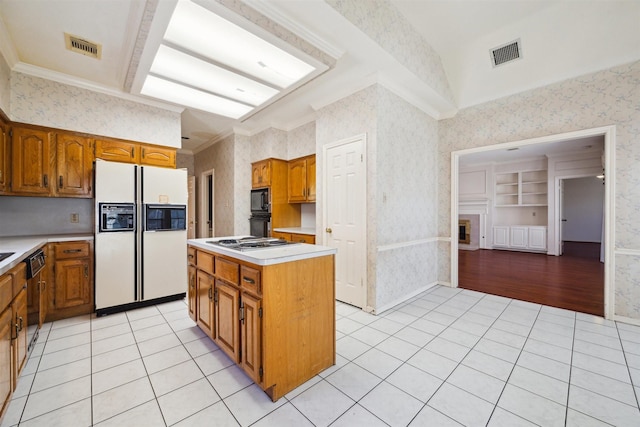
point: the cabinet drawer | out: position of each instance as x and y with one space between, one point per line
227 270
303 238
6 291
250 280
191 255
71 250
19 276
204 261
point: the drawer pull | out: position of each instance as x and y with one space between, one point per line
249 280
72 251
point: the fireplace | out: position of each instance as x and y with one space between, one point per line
464 231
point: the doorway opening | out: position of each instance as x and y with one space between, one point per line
606 290
207 203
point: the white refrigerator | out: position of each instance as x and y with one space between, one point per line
140 235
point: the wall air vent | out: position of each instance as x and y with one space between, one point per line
506 53
80 45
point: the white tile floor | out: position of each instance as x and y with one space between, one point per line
448 357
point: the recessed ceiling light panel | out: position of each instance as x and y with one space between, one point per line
184 95
178 66
197 29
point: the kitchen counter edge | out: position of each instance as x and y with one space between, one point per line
267 256
23 246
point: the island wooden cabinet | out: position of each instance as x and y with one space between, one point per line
227 315
302 180
70 290
5 162
192 293
276 321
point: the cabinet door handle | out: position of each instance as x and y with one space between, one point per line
45 181
210 293
60 182
249 280
72 251
143 150
215 296
43 285
132 152
20 320
86 271
242 313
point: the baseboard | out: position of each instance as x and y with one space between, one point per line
629 320
403 299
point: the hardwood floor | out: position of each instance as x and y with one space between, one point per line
574 283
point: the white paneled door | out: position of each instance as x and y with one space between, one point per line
345 218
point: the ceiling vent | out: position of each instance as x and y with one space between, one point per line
506 53
85 47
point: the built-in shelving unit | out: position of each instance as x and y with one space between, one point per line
527 188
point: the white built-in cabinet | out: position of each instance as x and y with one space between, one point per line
532 238
526 188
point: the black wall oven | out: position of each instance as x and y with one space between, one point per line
260 225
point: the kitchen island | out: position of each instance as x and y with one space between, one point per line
271 309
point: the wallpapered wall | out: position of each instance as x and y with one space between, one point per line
609 97
406 200
348 117
220 158
48 103
401 209
5 86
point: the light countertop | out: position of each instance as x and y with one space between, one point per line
296 230
24 246
266 256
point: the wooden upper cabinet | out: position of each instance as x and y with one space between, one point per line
4 158
134 152
302 180
261 174
117 150
75 165
31 154
158 156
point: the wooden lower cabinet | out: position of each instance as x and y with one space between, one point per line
277 321
204 301
251 336
227 298
192 293
70 285
20 332
6 368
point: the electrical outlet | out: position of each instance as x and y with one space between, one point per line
75 218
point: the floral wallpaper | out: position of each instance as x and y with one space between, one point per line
268 143
5 86
384 24
301 141
609 97
47 103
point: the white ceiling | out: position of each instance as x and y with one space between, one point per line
560 39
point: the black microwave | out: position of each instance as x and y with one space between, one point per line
165 217
260 201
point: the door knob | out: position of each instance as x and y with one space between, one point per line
328 230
